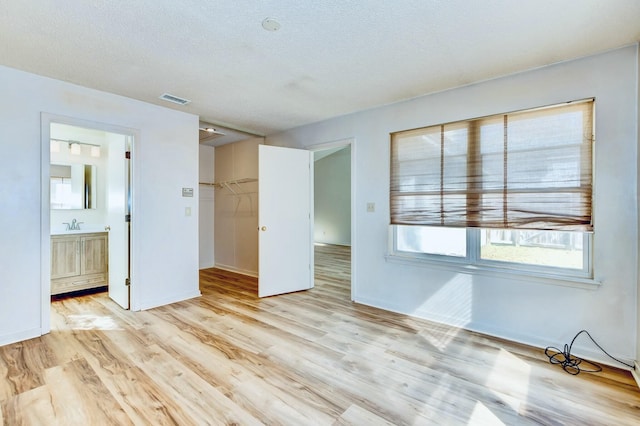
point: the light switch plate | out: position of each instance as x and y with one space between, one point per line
371 207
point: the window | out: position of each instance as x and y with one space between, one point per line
511 190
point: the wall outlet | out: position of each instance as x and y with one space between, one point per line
371 207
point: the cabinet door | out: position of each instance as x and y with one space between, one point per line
94 254
65 257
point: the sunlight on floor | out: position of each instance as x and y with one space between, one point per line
91 322
452 305
510 373
481 415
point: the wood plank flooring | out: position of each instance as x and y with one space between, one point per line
307 358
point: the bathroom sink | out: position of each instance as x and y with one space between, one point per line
84 229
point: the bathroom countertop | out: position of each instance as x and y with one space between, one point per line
84 229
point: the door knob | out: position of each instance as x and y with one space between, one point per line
264 228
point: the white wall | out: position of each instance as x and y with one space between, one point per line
332 198
637 363
522 310
165 159
206 226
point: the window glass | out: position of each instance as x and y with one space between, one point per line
431 240
543 248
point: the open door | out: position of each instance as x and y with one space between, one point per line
117 210
284 220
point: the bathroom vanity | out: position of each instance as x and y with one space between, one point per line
79 261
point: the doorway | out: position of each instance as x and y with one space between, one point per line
333 212
89 212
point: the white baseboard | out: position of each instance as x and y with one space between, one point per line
237 270
579 350
154 303
7 339
636 373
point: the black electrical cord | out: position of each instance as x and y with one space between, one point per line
571 364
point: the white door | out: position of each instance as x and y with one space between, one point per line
117 196
284 220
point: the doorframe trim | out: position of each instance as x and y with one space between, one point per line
337 144
45 214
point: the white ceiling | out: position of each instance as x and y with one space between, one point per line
329 58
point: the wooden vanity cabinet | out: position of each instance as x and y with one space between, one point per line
79 262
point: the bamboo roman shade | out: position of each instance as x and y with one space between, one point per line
526 170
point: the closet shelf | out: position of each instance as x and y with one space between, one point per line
224 183
231 184
234 186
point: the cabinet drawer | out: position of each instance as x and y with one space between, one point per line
66 285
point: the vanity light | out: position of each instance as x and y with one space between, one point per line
75 148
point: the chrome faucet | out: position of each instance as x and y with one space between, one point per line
73 226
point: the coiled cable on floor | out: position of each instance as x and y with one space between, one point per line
572 364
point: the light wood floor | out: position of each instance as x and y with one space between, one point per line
308 358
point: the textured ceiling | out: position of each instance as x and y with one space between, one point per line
329 57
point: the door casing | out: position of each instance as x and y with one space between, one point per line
338 144
45 217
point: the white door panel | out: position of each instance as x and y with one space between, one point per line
284 220
117 182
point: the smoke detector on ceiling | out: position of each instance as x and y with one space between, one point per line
175 99
270 24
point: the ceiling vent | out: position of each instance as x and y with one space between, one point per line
174 99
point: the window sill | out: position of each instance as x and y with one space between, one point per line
494 271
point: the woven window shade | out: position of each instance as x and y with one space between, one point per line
523 170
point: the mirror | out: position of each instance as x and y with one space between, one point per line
73 186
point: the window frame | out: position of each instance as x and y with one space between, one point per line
472 262
585 272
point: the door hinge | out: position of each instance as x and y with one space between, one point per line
127 282
127 155
127 218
